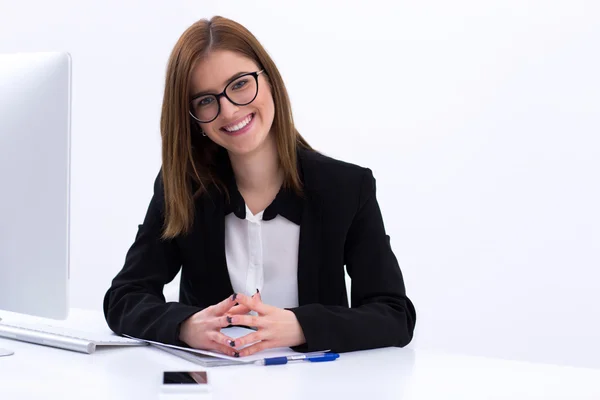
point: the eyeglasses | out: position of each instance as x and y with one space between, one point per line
241 91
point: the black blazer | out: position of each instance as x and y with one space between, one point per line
341 225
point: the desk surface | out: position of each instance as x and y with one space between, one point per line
134 373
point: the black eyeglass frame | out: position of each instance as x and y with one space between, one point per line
224 94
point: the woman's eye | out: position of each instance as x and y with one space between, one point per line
240 84
205 101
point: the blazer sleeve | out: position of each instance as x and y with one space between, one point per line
135 304
381 314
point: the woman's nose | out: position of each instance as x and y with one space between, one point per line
228 109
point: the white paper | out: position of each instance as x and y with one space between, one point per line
233 332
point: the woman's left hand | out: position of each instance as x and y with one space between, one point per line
276 327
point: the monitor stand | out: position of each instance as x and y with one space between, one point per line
4 353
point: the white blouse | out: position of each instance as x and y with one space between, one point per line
263 255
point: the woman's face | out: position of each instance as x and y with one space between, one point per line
239 129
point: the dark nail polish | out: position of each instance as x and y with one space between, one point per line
228 319
232 343
234 296
257 291
236 354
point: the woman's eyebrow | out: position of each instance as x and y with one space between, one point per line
196 95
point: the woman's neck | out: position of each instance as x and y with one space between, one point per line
259 170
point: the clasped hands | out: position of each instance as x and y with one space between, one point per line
276 327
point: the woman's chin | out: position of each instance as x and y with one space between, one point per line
249 145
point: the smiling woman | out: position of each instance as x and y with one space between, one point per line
261 225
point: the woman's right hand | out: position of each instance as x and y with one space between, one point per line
203 329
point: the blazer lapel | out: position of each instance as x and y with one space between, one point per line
213 228
309 247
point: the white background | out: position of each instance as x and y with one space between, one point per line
480 120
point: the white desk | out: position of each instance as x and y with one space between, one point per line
134 373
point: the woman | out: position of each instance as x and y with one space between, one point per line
260 224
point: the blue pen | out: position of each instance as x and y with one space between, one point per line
310 357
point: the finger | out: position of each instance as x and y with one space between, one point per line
222 307
227 350
221 322
239 309
222 339
253 303
247 320
250 338
255 348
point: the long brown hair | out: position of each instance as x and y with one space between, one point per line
188 157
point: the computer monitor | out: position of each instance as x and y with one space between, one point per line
35 124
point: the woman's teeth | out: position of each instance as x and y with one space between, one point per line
240 125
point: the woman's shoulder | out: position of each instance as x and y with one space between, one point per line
327 164
333 176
